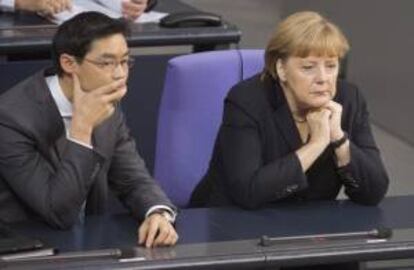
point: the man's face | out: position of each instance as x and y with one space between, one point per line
106 62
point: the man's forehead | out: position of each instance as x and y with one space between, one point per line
111 46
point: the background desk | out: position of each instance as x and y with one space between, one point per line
25 33
228 237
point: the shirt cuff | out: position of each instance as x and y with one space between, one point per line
7 5
79 142
158 207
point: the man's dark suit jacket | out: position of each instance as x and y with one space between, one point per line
44 175
254 160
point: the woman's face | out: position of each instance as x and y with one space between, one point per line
309 81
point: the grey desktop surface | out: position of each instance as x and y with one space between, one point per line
28 33
229 237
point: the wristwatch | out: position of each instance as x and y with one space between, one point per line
166 214
340 142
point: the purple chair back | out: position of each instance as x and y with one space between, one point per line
190 114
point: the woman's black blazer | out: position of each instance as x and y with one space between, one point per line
254 160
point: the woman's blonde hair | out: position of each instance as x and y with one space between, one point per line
302 34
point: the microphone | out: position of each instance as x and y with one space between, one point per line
378 233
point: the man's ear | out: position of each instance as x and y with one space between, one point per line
280 69
68 63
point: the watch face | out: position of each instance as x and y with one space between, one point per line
167 216
165 213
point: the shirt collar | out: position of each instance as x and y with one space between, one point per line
62 102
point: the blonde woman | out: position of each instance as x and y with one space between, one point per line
295 132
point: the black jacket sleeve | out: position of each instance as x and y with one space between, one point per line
249 180
129 177
367 172
56 193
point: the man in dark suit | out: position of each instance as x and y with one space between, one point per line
64 142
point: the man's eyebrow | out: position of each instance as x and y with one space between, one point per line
110 55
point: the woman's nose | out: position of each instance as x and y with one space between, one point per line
322 75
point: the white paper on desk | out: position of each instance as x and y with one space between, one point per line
152 16
79 6
147 17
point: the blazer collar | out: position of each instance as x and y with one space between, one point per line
53 127
54 130
282 115
100 138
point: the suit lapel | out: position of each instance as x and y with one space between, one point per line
60 145
99 191
50 127
99 138
282 116
284 122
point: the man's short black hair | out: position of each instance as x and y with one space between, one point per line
76 35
